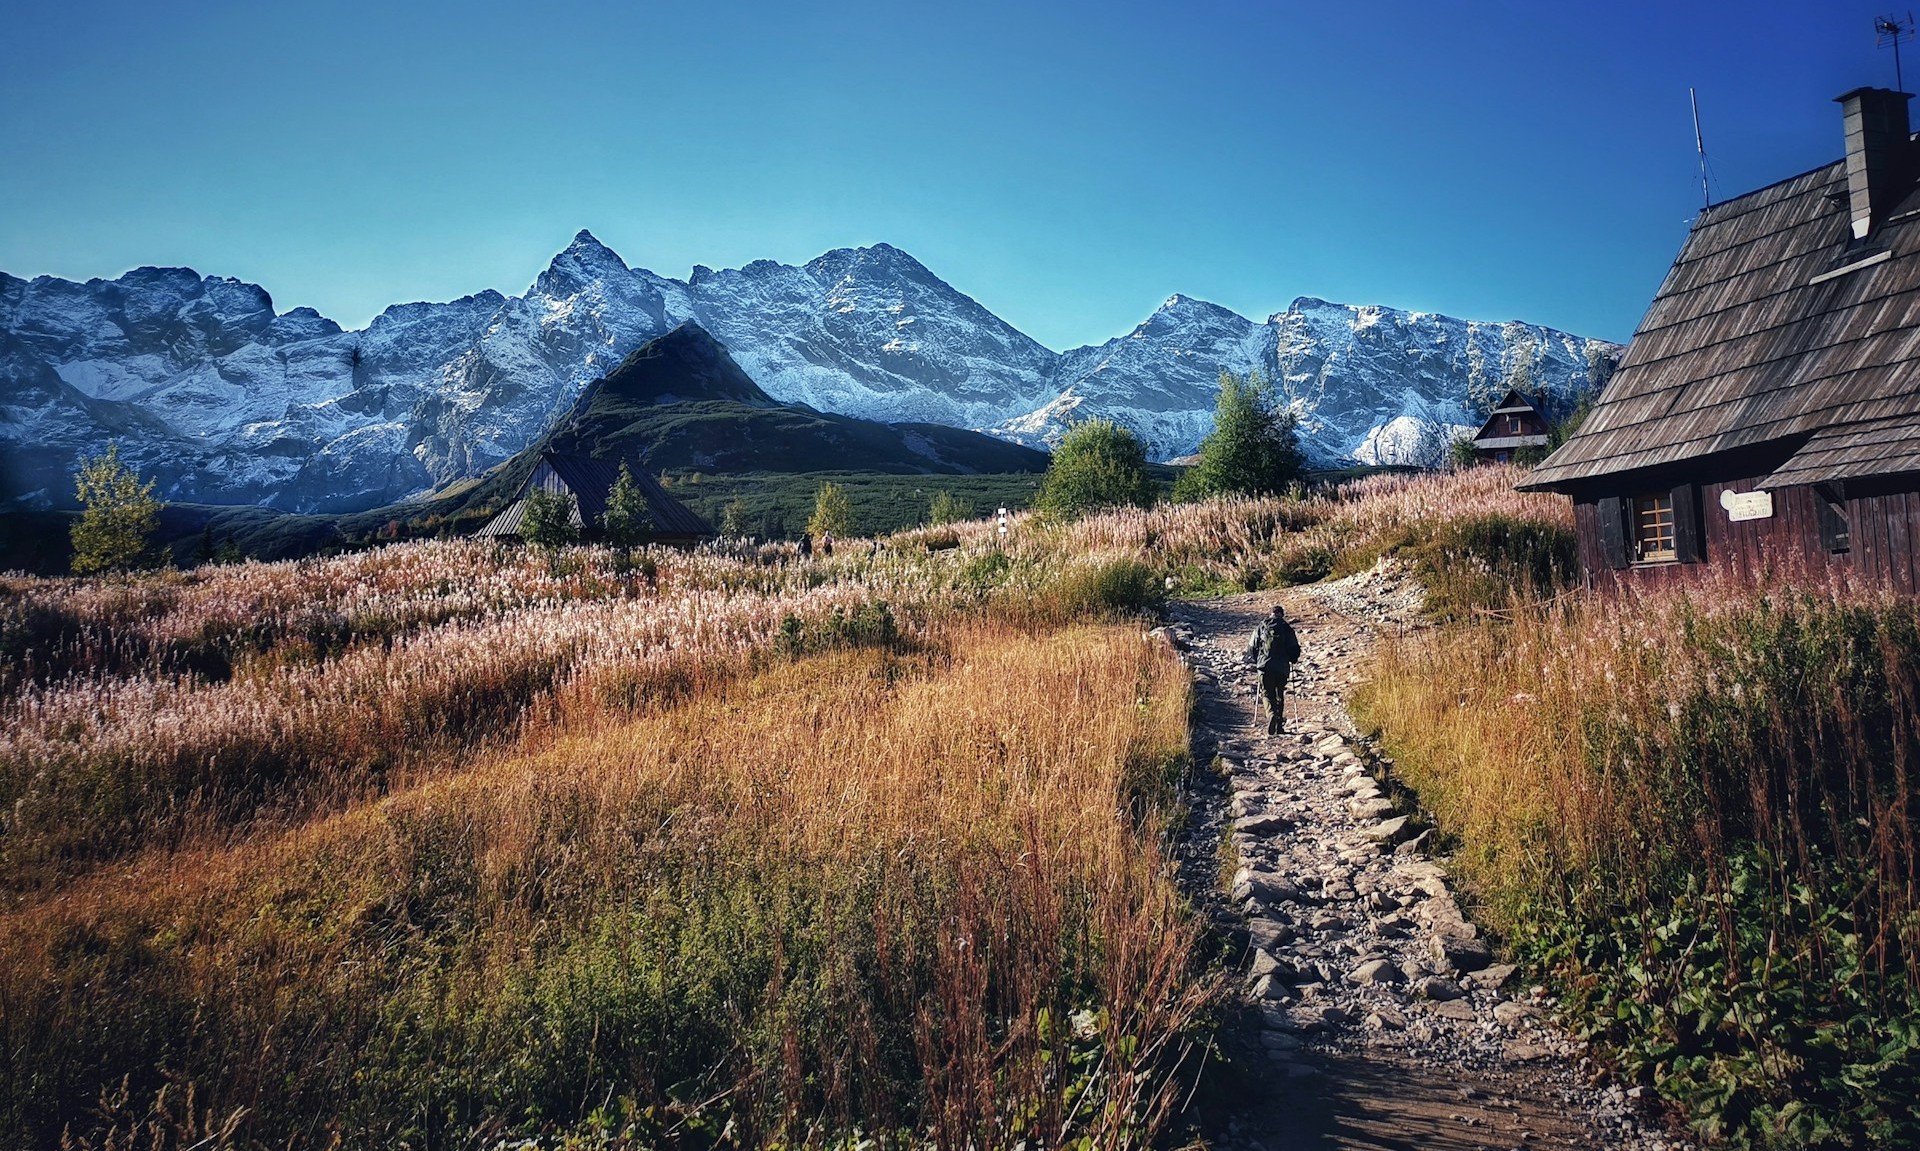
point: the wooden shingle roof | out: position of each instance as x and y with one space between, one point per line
1774 327
591 481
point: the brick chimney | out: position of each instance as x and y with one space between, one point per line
1880 169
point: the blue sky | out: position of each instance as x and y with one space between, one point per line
1068 165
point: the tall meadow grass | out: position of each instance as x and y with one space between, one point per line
865 890
1695 805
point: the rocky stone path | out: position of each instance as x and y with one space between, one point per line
1374 1013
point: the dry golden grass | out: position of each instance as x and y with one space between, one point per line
1694 806
858 890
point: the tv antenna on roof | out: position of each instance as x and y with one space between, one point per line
1700 146
1893 30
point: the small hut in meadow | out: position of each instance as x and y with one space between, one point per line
587 482
1516 422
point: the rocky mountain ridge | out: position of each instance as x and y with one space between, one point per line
225 400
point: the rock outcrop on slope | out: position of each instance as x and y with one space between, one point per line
225 400
1369 384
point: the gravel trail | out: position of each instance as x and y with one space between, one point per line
1375 1015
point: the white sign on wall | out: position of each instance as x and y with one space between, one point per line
1747 505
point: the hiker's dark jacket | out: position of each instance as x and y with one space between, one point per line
1274 648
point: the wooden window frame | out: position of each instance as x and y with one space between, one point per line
1830 508
1620 539
1655 530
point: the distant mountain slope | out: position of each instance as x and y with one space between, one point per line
223 400
1364 381
680 403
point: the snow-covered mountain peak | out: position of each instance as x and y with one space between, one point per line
223 401
876 262
1179 310
580 264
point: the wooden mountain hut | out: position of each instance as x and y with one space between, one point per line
587 482
1516 422
1767 413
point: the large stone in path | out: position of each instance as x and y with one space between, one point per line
1264 823
1458 1009
1374 972
1390 831
1512 1014
1373 808
1316 1017
1459 954
1436 989
1269 933
1495 977
1267 987
1384 1018
1270 889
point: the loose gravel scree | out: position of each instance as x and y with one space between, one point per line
1374 1015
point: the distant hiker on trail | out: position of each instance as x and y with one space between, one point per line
1272 653
826 543
806 546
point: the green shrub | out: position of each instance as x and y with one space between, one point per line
1099 464
984 571
1486 561
1114 587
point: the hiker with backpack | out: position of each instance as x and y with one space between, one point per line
1273 652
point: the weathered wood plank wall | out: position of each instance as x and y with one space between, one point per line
1884 543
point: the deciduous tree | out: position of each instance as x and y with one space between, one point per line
549 520
1253 448
832 512
1098 464
118 516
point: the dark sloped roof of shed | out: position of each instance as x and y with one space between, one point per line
1748 342
509 521
591 480
1515 402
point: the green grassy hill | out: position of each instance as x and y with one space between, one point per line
680 407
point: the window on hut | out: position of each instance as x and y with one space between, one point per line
1513 425
1830 507
1653 528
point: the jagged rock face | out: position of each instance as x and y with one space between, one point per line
533 355
1161 379
223 400
1369 384
870 332
213 394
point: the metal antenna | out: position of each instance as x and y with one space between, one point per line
1893 30
1700 146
